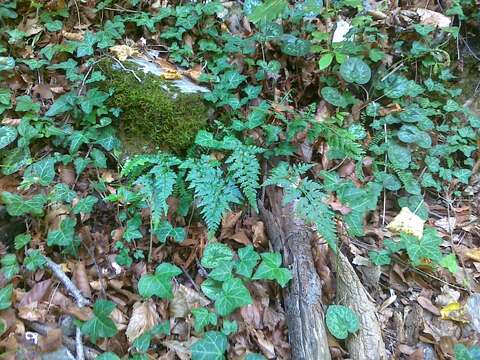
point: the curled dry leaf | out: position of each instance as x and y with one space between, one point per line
429 17
144 317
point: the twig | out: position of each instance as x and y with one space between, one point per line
125 69
70 344
79 299
69 285
79 345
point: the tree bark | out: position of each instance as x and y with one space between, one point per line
367 343
303 296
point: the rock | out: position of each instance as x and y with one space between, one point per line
159 105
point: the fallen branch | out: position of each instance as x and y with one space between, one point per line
70 344
79 299
303 297
367 343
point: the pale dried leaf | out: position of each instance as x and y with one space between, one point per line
408 222
144 317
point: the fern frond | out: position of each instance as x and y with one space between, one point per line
214 194
244 169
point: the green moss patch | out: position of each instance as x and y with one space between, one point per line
155 116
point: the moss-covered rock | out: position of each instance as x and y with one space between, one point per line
155 115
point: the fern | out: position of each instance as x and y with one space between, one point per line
338 139
212 191
156 186
138 164
244 169
309 196
313 210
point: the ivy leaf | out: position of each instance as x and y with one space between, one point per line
341 321
85 205
10 266
25 103
34 260
6 296
355 70
108 356
380 258
427 247
63 104
42 172
450 262
293 46
18 206
101 325
248 259
211 288
399 156
85 48
8 134
63 236
21 241
233 296
254 357
333 96
216 253
159 283
229 327
268 11
211 347
203 317
270 269
61 192
222 272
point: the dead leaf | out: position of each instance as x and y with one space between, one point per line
171 75
123 52
184 299
473 254
427 305
408 222
81 279
429 17
52 341
454 312
72 36
259 236
36 294
144 317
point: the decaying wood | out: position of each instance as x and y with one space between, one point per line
303 305
367 343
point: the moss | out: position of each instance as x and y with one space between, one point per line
154 116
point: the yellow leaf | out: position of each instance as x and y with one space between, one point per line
455 312
407 222
171 75
473 254
122 52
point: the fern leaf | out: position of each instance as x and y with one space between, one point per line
244 169
214 194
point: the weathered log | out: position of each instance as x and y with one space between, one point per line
303 296
367 343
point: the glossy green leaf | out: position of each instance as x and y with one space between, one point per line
341 321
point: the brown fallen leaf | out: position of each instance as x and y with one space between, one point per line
81 279
427 305
144 317
36 294
52 341
184 299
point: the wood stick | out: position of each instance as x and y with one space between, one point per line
303 296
